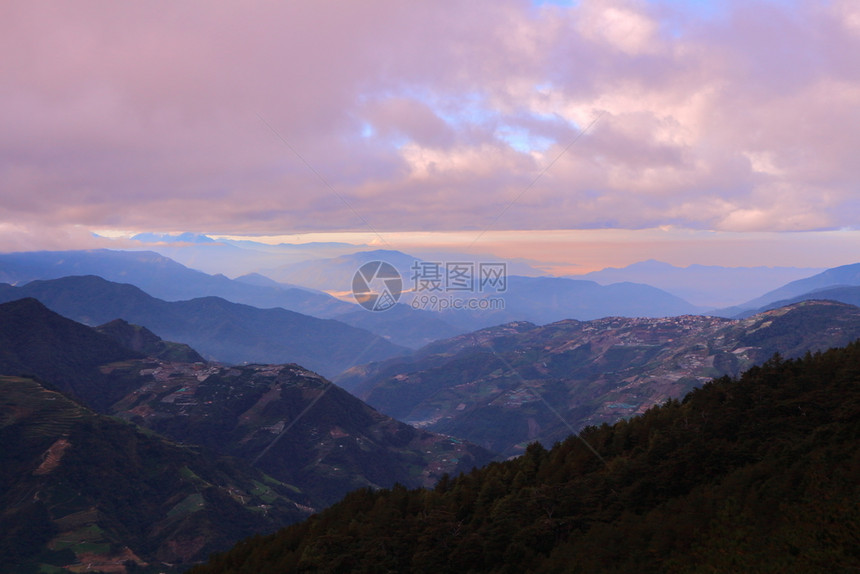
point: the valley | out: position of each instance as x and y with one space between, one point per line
292 423
280 440
508 287
507 386
171 439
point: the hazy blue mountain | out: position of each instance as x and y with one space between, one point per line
549 299
186 237
515 265
494 387
703 285
835 277
403 325
336 273
400 325
236 257
536 299
260 281
849 295
164 278
217 328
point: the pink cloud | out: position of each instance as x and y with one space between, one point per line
420 115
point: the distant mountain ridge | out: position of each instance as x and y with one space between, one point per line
549 299
540 300
163 278
846 294
335 274
704 285
506 386
845 275
219 329
536 299
236 256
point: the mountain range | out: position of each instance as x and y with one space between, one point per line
234 257
71 475
232 409
164 278
848 294
507 386
536 299
78 486
709 286
758 474
802 289
219 329
35 343
544 300
280 441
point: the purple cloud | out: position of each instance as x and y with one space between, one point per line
428 116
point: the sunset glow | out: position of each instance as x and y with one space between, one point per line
574 134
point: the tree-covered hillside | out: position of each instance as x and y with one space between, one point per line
81 491
759 474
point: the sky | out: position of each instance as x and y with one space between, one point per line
582 134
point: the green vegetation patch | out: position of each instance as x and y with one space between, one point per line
190 504
264 493
77 520
189 474
276 482
81 539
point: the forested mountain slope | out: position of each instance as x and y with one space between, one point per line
760 474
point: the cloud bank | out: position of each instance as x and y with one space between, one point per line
292 117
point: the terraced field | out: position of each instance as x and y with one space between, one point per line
80 491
